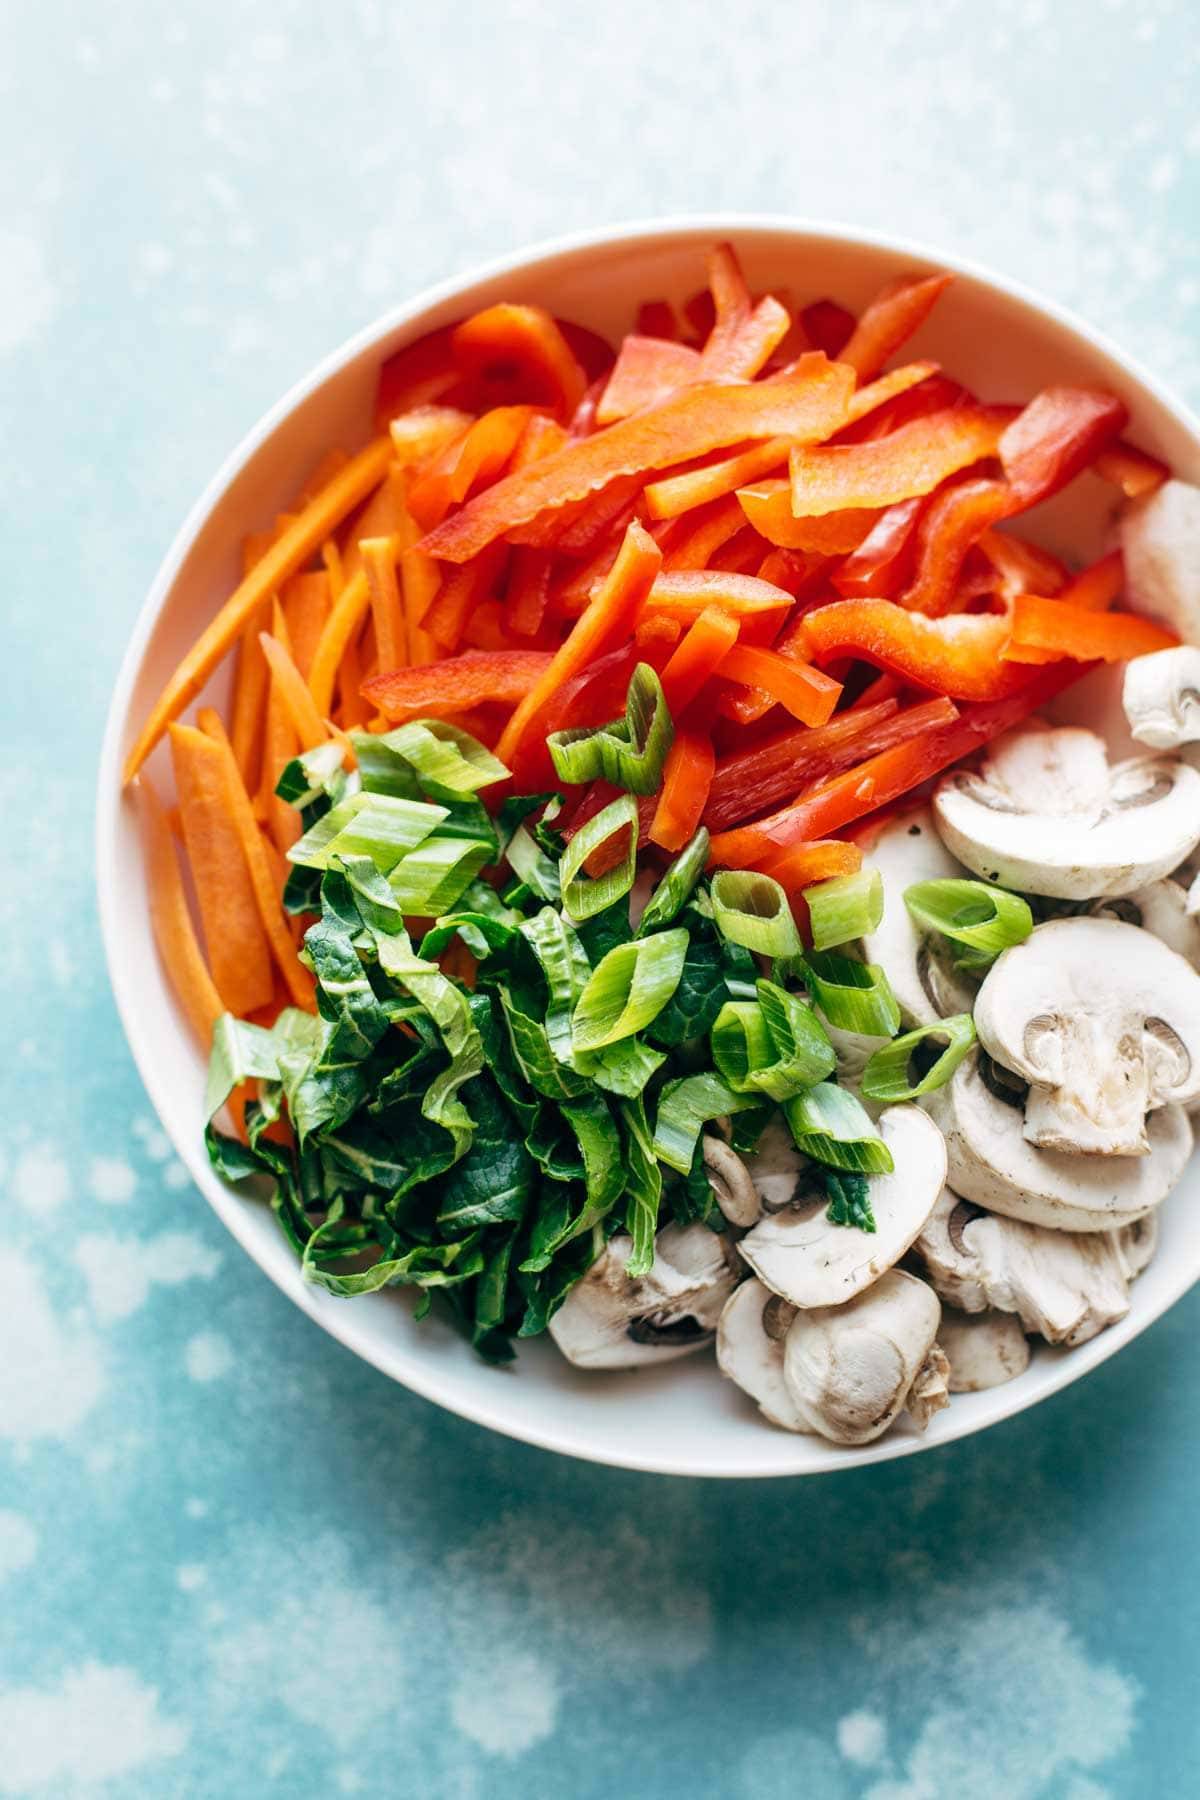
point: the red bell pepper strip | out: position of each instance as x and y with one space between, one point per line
838 802
948 529
827 478
541 437
468 462
687 774
884 687
500 677
696 658
686 594
417 375
883 560
579 529
768 506
934 393
828 326
1133 471
1096 587
706 531
739 352
656 637
486 628
528 592
894 314
656 319
742 554
677 494
647 372
959 655
805 864
871 405
807 693
808 406
518 352
461 591
1023 568
608 620
1059 433
1083 635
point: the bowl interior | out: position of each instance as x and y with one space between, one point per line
684 1418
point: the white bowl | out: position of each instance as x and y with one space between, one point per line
684 1419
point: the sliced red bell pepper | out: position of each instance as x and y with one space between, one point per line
416 376
528 592
1023 568
686 594
1059 433
656 319
1133 471
486 628
709 638
768 506
883 560
958 655
1080 633
656 637
934 393
677 494
500 677
828 326
460 593
647 372
948 529
687 774
827 478
468 462
871 405
885 686
512 352
707 530
741 555
894 314
807 407
807 693
541 437
805 864
738 352
838 802
1096 587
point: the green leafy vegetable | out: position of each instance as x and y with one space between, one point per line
833 1127
643 1187
677 885
683 1107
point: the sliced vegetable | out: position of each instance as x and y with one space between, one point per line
629 753
895 313
833 1127
687 593
828 478
476 678
768 507
845 908
683 1108
648 370
527 347
853 995
676 886
1064 629
796 869
986 920
958 656
697 656
1059 433
171 920
381 826
936 1050
584 896
628 988
686 777
752 910
445 762
807 693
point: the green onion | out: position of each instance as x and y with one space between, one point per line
683 1107
854 996
886 1076
581 895
741 1043
833 1127
318 772
845 908
752 910
676 887
529 862
803 1053
985 920
380 826
432 878
630 752
627 988
446 762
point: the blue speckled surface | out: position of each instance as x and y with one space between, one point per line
234 1561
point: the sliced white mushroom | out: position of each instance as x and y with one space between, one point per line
750 1339
990 1161
1135 1245
1161 697
919 966
930 1390
1161 908
1103 1021
1046 814
984 1350
731 1182
777 1168
1066 1286
810 1261
1160 541
850 1369
610 1321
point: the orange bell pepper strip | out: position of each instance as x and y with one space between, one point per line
1023 568
958 655
894 314
171 920
708 639
462 588
499 677
1133 471
1080 633
828 327
523 352
685 594
807 407
1096 587
1059 433
677 494
805 864
952 522
648 371
290 552
686 776
467 463
528 593
706 533
608 621
882 561
768 507
828 478
807 693
853 794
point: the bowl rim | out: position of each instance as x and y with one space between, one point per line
713 226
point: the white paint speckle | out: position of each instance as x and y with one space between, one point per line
208 1356
98 1723
195 1508
862 1739
120 1271
18 1543
112 1180
190 1576
154 259
50 1379
176 1176
155 1143
41 1181
506 1707
28 299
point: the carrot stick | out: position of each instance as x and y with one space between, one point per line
379 559
331 464
292 551
382 516
248 704
171 920
353 709
341 625
687 777
306 608
258 861
331 556
237 946
280 744
295 694
419 581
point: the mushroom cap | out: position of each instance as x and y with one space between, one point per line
752 1356
610 1321
990 1163
1103 1021
801 1255
1161 907
731 1182
1160 541
1046 814
919 966
1161 697
849 1368
984 1350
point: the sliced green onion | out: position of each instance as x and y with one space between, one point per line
853 995
380 826
803 1053
845 908
986 920
630 752
582 895
677 885
623 1068
741 1043
432 878
318 772
447 763
683 1108
563 962
627 988
887 1074
529 862
833 1127
752 910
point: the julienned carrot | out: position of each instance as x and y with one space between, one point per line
709 638
331 556
238 952
300 541
331 464
608 620
171 920
768 507
384 515
257 858
280 745
805 864
419 579
457 684
306 608
353 710
894 314
807 693
249 697
686 777
295 693
1081 634
379 560
340 627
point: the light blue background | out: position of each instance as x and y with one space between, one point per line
233 1561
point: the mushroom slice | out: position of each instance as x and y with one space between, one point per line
1161 697
1103 1021
1160 541
610 1321
801 1255
750 1339
919 966
778 1170
850 1369
1064 1285
1161 908
984 1350
991 1163
1136 1244
1046 814
731 1182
